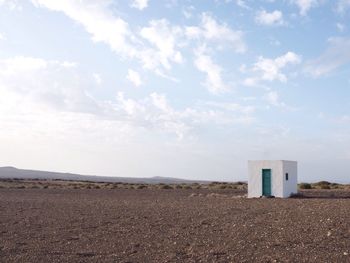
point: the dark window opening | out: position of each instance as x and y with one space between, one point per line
286 176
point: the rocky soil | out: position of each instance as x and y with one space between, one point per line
159 225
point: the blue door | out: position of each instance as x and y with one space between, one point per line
266 182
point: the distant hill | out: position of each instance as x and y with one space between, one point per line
12 172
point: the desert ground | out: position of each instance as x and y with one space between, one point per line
81 222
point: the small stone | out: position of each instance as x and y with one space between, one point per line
346 254
329 233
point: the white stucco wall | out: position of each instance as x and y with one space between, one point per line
279 186
290 186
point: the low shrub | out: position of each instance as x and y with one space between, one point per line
305 186
165 186
323 183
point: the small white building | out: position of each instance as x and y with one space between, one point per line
272 178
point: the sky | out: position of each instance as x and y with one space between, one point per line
177 88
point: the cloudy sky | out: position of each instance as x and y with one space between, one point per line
180 88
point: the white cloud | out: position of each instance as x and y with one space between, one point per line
97 78
165 38
188 11
139 4
251 81
344 119
11 4
52 83
221 34
233 107
99 21
49 92
156 112
204 63
153 112
156 46
340 27
134 77
272 98
2 37
265 18
336 55
69 64
242 3
343 5
19 64
271 69
274 42
305 5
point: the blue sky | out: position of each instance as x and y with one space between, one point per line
188 89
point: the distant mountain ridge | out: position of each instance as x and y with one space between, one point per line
13 172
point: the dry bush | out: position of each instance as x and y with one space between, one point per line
114 186
166 186
323 183
305 186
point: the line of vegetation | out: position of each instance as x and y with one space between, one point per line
323 185
68 184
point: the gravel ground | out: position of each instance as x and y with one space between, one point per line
57 225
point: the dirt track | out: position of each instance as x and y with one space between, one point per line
48 225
